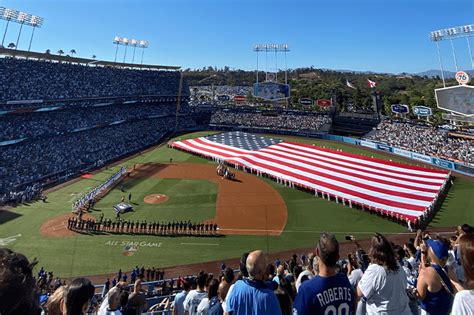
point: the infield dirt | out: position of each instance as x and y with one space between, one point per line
245 206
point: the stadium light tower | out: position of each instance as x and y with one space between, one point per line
7 15
35 21
143 44
117 40
134 43
451 34
276 48
22 19
125 41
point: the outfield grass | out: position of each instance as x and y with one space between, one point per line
195 200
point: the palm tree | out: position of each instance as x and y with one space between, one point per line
11 45
94 56
60 52
72 52
48 51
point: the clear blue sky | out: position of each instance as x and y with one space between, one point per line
376 35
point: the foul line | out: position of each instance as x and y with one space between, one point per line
328 231
201 244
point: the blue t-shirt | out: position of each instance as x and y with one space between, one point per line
325 295
179 302
252 298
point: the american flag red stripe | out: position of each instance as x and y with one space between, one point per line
399 189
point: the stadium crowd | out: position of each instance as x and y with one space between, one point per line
260 120
428 274
50 157
424 139
37 80
30 125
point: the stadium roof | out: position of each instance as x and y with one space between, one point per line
84 61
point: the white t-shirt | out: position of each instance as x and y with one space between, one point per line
192 301
355 277
385 291
463 303
414 264
307 273
203 307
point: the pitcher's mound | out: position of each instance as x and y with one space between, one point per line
156 199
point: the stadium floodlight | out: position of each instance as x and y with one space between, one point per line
118 40
450 34
21 18
272 47
143 44
35 21
7 15
134 43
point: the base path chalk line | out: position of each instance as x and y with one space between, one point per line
200 244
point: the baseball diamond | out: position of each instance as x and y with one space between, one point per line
208 186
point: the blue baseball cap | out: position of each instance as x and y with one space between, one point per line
440 249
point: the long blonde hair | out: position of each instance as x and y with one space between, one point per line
54 301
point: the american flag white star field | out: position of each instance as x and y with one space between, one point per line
396 189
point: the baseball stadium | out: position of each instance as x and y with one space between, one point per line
116 172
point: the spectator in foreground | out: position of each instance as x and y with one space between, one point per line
178 303
227 278
435 290
77 296
308 272
17 285
113 299
243 274
204 308
252 295
55 300
464 300
284 297
195 297
317 296
384 282
136 300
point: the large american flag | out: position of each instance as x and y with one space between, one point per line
396 189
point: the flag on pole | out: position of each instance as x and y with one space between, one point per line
371 83
350 85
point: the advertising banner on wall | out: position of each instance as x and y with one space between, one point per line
422 111
384 147
442 163
421 157
323 102
368 144
401 152
400 108
305 101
